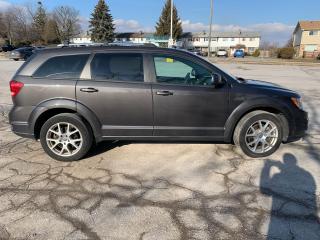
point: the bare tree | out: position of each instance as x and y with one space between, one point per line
289 43
67 22
50 33
17 25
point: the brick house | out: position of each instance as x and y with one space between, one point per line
306 39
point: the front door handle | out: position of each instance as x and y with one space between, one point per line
165 93
89 90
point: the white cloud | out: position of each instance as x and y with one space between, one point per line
123 25
189 26
84 23
274 32
4 5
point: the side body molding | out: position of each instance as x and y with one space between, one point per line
255 104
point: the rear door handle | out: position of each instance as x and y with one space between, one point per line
89 90
164 93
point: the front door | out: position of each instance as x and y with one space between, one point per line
118 95
185 102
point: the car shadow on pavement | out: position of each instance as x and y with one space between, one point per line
105 146
294 205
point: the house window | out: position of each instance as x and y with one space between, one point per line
196 39
215 39
310 48
225 39
244 39
190 39
313 33
206 39
251 39
232 39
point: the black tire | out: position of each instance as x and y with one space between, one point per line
243 126
86 133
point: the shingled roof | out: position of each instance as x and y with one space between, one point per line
309 25
222 34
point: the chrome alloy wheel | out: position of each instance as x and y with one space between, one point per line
262 136
64 139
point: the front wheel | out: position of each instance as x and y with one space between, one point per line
65 137
258 134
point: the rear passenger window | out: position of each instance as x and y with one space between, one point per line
62 67
117 67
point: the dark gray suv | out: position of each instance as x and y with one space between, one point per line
72 98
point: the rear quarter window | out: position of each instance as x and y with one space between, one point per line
62 67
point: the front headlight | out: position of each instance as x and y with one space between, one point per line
297 102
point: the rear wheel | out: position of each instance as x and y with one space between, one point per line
65 137
258 134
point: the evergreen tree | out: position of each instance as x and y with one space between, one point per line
164 23
101 23
39 21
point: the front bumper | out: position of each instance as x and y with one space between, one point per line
301 122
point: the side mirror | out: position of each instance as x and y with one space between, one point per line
193 73
216 80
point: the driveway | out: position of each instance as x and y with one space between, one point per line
129 190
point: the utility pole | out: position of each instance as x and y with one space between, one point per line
171 26
210 30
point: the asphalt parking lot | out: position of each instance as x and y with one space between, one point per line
165 191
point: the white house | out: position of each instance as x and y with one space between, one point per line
249 41
81 40
306 39
142 38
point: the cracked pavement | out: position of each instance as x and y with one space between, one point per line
129 190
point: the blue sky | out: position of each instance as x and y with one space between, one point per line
275 19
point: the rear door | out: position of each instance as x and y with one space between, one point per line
119 94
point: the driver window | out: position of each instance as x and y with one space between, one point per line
173 70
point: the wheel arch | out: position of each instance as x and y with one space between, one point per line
50 108
262 104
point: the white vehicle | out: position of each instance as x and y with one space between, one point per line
222 53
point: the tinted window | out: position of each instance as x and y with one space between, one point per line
118 67
173 70
62 67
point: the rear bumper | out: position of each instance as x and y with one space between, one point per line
15 57
18 120
22 130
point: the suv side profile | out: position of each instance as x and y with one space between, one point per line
70 99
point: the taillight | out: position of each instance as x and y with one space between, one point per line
15 87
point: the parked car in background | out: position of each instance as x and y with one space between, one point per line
22 53
7 48
222 53
239 53
198 52
147 94
195 51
